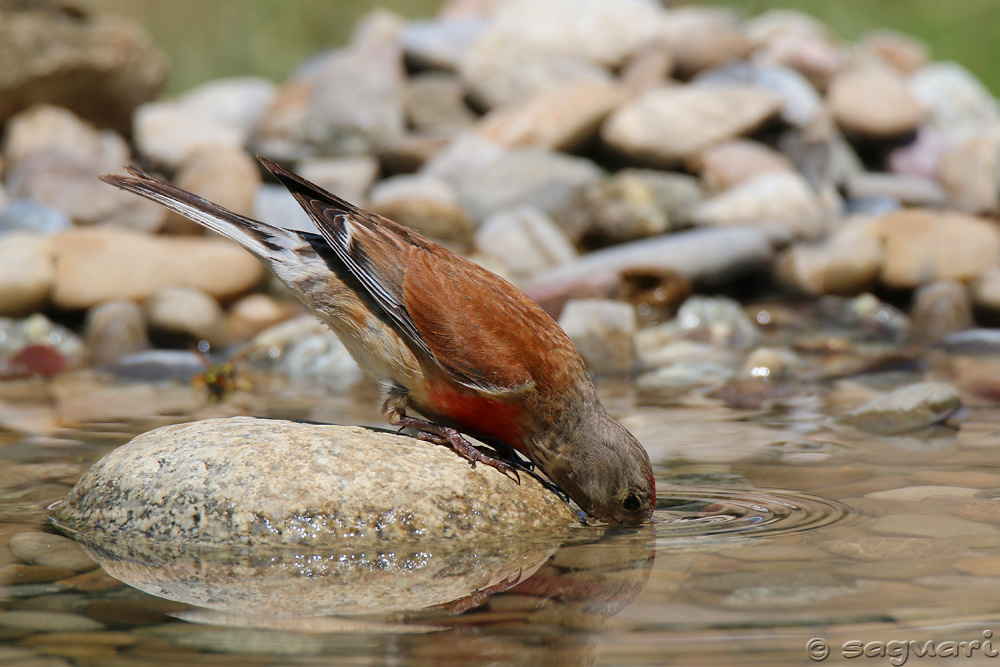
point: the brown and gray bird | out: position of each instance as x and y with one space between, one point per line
444 337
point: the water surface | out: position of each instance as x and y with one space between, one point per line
775 527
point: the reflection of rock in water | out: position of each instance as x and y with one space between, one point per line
301 582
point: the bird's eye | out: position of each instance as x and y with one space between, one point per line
631 502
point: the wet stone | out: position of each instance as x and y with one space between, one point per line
983 510
191 482
132 612
905 569
16 574
941 308
240 641
906 409
921 492
50 550
987 566
782 597
47 621
923 525
871 548
114 329
320 358
770 554
966 478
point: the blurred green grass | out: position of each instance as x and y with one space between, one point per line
207 39
966 31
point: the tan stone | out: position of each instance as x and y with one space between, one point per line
986 566
98 265
904 53
922 245
670 124
925 525
979 510
847 263
970 173
986 291
256 312
26 272
225 175
874 101
560 120
783 203
733 162
704 37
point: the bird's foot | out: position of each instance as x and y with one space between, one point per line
449 437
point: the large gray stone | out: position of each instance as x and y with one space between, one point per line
905 409
98 265
705 256
543 179
499 70
269 482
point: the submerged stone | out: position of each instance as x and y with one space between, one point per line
906 409
247 481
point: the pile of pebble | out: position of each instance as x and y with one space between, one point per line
609 158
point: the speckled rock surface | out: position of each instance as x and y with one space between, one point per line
260 482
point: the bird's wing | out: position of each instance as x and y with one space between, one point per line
452 310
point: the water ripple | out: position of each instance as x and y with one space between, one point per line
692 511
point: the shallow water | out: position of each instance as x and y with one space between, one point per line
774 528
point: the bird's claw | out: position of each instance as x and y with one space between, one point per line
449 437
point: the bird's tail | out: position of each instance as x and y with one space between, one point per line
263 240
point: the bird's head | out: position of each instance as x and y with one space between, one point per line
608 473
